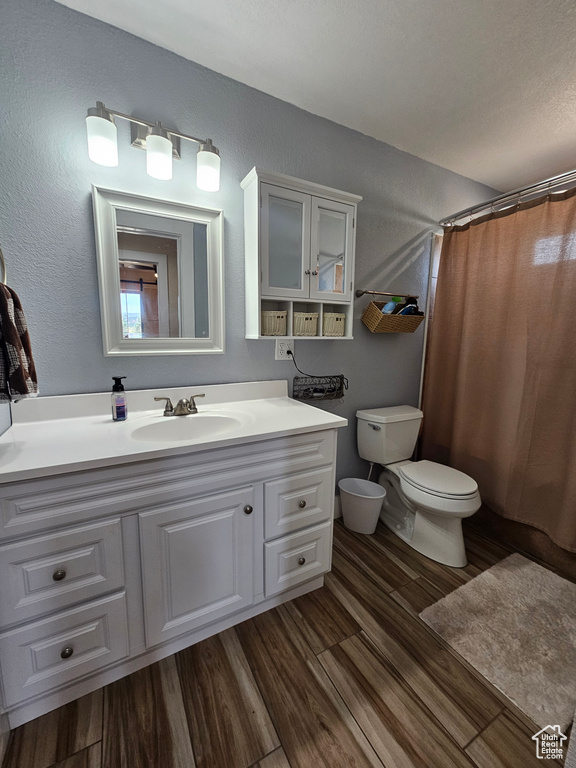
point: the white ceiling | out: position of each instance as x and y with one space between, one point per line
486 88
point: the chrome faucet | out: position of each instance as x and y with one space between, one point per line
183 407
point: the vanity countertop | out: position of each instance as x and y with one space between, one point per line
55 435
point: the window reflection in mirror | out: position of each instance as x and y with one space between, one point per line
148 285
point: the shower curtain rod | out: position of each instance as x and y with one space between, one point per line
473 211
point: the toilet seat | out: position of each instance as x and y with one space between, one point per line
438 480
442 504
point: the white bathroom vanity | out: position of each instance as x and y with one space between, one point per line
124 542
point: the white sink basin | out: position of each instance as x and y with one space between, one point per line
174 429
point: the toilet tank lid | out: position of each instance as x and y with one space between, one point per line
386 415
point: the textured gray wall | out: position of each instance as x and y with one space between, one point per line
55 63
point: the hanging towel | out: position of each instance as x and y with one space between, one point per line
17 370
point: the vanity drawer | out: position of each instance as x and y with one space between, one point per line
296 558
50 573
300 500
55 651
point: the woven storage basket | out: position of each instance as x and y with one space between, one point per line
333 324
379 323
274 323
305 323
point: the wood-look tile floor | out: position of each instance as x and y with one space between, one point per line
344 677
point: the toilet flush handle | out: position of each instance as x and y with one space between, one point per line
375 427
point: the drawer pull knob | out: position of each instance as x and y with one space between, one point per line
301 561
248 509
59 574
302 504
66 652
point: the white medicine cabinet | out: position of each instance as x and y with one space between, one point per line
299 241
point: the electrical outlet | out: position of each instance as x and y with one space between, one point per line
282 347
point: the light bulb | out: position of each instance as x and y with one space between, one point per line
208 168
102 138
159 154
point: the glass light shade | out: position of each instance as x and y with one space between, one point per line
158 157
208 171
102 141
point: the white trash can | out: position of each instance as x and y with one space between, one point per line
361 504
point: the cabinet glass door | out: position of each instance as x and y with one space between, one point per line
332 257
285 242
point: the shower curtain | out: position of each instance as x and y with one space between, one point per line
499 396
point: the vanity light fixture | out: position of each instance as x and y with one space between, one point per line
208 167
159 154
102 136
160 143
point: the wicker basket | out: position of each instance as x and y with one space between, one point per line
305 323
274 323
379 323
333 324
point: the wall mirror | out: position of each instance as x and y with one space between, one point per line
160 273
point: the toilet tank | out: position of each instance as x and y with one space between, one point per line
387 435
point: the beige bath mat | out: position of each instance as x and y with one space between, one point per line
516 624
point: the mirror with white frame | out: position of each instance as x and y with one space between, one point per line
160 272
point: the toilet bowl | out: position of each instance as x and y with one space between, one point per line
425 502
429 519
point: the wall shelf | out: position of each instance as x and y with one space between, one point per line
299 251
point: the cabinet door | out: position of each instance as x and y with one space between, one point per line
332 250
284 242
197 562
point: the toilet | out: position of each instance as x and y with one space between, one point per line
425 501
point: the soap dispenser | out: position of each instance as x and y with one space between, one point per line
119 407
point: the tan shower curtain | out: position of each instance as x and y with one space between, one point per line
500 383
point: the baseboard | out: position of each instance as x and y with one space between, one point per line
524 538
4 735
337 507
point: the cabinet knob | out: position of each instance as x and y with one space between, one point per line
248 509
306 271
301 561
302 504
59 574
315 272
66 652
